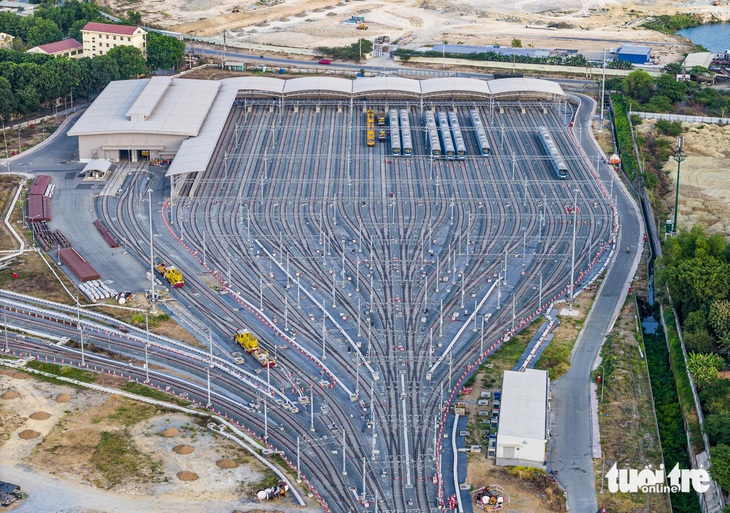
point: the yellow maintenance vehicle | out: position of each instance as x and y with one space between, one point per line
250 344
361 26
371 127
171 274
236 9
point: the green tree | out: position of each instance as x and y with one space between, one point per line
717 428
667 85
130 61
134 17
720 468
639 85
42 32
700 341
516 43
164 52
27 100
704 367
673 69
719 317
7 99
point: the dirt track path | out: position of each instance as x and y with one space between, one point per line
48 494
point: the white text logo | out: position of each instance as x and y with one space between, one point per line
657 481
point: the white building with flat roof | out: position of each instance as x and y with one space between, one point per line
522 431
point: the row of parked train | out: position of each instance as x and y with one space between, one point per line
444 137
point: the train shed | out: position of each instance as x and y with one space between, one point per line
522 431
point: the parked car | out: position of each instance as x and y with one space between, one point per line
238 357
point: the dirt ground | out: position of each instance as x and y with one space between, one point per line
704 183
313 23
71 440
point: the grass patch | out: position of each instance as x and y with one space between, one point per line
118 460
626 414
145 391
63 371
132 413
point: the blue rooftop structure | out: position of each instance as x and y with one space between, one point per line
634 54
503 50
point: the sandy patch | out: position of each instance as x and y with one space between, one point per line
10 394
314 23
63 398
20 375
186 475
226 464
183 449
28 434
40 415
704 184
170 432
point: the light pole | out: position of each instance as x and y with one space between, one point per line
679 158
572 257
603 89
152 257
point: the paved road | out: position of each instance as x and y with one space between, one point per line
571 447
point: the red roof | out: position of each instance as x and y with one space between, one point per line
124 30
60 46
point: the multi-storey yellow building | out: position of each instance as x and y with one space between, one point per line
99 38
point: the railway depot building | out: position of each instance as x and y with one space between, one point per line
522 431
184 119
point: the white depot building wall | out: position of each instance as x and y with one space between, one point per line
522 431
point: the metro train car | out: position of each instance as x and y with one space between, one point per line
405 128
559 166
395 146
480 132
457 135
433 143
448 142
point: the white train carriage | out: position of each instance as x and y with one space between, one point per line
457 135
480 132
448 142
405 128
395 146
433 143
560 168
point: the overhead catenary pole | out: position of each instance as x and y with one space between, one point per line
572 256
152 256
603 90
679 158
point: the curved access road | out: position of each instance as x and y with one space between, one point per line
573 443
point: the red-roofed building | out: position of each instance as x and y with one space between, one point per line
66 48
99 38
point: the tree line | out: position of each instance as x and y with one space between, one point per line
30 81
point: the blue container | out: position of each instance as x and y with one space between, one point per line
281 71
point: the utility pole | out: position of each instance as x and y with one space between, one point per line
146 346
679 158
152 256
603 90
572 256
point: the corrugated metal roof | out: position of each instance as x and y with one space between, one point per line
502 50
703 59
195 153
148 98
101 165
371 84
181 110
318 83
634 50
124 30
526 85
59 46
472 85
523 408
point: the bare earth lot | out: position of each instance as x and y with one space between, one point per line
313 23
57 448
